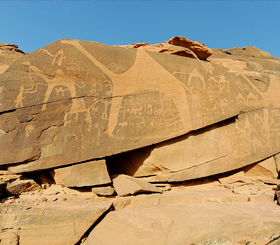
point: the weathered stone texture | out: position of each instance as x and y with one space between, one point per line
265 168
164 48
21 185
187 224
213 150
74 101
8 54
103 191
197 47
50 223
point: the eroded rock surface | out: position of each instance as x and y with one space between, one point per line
70 83
164 48
167 224
197 47
213 150
8 54
49 223
70 107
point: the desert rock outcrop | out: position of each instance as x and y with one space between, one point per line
8 54
197 47
170 143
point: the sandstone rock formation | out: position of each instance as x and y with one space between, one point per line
164 48
8 54
197 47
137 145
54 223
186 224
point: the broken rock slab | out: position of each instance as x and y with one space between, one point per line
56 223
103 191
82 174
126 185
237 177
21 185
167 224
266 169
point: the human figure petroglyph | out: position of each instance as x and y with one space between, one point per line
142 75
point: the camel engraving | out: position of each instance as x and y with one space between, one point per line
145 73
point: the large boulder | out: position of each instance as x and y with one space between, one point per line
84 174
198 48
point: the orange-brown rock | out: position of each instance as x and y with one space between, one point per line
126 185
55 223
197 47
74 101
188 224
265 168
84 174
8 54
216 149
248 51
164 48
21 185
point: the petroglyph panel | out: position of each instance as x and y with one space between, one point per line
223 147
90 100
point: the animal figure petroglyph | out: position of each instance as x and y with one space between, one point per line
146 73
57 58
59 80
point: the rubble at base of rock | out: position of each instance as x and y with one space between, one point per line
169 143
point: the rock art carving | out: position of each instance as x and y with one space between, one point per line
107 106
140 74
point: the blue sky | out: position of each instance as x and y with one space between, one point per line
223 24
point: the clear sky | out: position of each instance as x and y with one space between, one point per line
223 24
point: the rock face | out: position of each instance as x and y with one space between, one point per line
167 224
76 114
64 113
213 150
